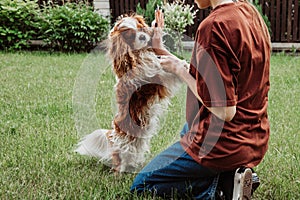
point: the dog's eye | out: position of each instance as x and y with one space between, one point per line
142 37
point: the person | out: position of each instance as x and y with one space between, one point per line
227 128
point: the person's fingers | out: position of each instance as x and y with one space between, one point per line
163 20
159 18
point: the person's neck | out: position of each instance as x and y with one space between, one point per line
215 3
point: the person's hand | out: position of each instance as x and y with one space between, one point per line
157 41
172 64
159 18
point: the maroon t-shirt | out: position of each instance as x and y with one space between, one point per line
230 62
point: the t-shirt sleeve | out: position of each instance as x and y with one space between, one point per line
216 71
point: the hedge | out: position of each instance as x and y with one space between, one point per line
69 28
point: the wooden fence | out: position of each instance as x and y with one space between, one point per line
284 17
283 14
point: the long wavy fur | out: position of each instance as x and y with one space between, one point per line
143 90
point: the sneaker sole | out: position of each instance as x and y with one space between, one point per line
242 184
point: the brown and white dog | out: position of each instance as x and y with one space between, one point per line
143 91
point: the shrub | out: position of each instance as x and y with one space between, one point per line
70 27
73 27
62 2
177 17
18 23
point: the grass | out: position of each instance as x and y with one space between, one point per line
47 102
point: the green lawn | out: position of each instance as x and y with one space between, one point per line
48 101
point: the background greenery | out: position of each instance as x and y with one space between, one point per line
74 27
69 27
38 133
18 23
149 11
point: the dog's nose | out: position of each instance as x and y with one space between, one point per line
142 37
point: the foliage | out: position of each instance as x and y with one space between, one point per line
177 17
73 27
62 2
149 12
70 27
18 23
265 17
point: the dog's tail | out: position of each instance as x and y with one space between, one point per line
96 145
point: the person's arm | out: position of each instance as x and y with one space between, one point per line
179 67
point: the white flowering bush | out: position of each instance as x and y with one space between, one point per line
177 17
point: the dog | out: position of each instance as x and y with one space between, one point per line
142 91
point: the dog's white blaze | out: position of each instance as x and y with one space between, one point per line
128 22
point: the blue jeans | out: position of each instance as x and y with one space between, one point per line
174 174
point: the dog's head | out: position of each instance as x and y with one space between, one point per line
132 30
129 35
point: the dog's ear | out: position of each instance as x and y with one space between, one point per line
121 54
129 36
124 63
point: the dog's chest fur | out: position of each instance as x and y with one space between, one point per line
138 95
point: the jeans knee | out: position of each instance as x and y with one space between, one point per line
138 186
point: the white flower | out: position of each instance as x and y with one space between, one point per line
177 17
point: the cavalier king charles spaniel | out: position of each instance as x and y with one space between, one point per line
143 91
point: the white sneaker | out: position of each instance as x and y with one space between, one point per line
242 184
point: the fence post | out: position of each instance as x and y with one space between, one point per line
102 7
